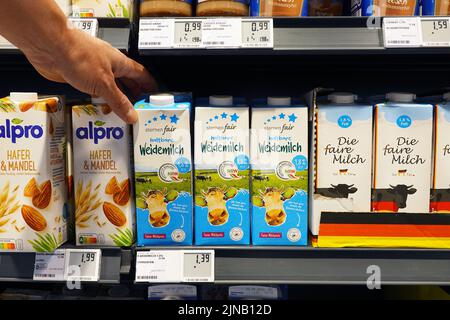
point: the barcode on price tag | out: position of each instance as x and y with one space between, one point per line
402 32
436 32
159 266
222 33
257 33
188 33
83 264
156 33
50 266
89 26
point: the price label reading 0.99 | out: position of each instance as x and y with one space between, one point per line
436 32
89 26
257 33
188 34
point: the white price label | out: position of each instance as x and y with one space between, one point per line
159 266
402 32
83 264
156 33
257 33
222 33
198 266
89 26
188 33
50 266
436 32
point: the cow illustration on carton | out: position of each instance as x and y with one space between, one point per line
392 199
341 190
215 199
272 199
156 202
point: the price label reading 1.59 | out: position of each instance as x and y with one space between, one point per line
436 32
89 26
188 33
257 33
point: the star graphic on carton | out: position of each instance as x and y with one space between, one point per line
234 117
292 118
224 115
282 115
155 119
216 117
174 119
163 117
274 118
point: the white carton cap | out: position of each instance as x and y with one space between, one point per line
447 96
221 101
163 99
279 101
98 100
400 97
23 96
342 97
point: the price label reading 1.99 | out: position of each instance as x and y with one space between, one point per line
257 33
83 264
90 26
436 32
188 34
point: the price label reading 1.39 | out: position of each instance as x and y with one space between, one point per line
83 264
198 266
436 32
257 33
188 33
89 26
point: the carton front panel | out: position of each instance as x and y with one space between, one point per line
403 158
163 168
222 176
279 160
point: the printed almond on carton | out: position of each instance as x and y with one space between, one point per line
279 171
163 168
222 181
33 215
104 207
402 155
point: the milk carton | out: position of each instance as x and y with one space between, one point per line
222 173
342 157
104 206
163 166
32 189
279 171
102 8
440 189
402 155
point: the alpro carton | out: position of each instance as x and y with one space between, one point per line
402 155
32 189
342 157
163 169
222 173
279 173
104 206
440 189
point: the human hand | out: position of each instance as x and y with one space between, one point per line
92 66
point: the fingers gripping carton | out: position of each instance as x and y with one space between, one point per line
222 173
104 207
279 171
163 169
402 155
33 213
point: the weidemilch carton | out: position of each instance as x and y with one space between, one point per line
279 173
104 206
402 155
222 199
342 157
440 189
163 169
33 215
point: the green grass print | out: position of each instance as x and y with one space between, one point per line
217 181
274 181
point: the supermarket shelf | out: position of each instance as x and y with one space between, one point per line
19 266
307 265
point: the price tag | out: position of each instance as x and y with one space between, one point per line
90 26
156 33
83 264
222 33
50 266
188 33
436 32
257 33
198 266
159 266
402 32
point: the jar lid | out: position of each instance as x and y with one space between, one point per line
279 101
23 96
400 97
163 99
222 101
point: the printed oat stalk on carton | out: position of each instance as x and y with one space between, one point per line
215 199
86 201
8 205
156 202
